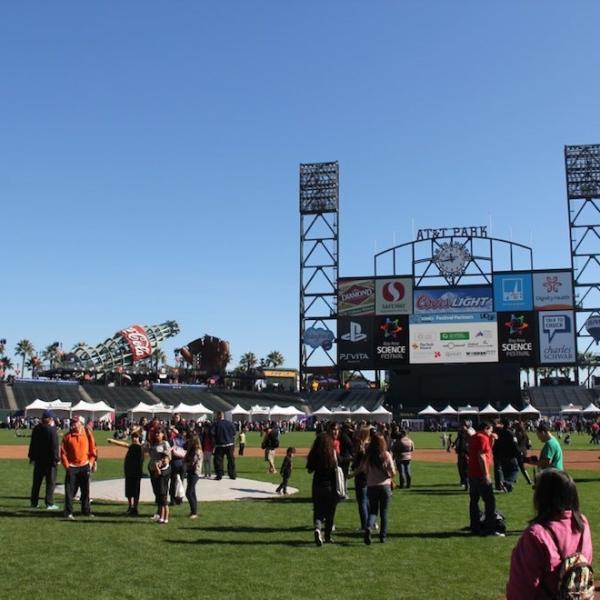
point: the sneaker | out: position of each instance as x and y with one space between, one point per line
329 540
69 517
318 538
163 521
34 506
498 534
160 521
367 537
52 507
155 518
193 516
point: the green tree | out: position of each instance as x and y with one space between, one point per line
248 361
274 359
52 354
158 356
33 364
24 349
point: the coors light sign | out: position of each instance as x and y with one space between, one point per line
126 347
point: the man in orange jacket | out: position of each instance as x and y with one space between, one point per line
77 455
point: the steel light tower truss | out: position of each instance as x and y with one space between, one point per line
582 165
319 267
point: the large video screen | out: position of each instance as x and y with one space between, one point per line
453 338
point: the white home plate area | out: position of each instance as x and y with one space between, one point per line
207 490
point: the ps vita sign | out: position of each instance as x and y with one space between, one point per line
476 231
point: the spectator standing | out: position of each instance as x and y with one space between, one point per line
558 530
193 466
551 454
208 447
402 451
224 436
44 454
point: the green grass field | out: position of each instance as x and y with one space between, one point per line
263 548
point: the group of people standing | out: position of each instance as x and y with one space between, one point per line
363 454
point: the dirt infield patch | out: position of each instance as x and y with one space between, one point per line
574 459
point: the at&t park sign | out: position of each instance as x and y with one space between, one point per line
429 234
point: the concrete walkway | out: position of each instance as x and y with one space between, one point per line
207 490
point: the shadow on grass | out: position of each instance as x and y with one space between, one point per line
428 492
237 542
586 479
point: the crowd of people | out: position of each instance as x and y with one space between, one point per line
377 458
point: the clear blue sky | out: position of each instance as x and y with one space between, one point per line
149 151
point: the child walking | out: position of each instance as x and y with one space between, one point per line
286 470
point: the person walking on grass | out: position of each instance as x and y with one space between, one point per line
378 465
44 454
322 463
224 436
480 482
77 456
193 466
402 451
270 444
361 442
286 470
557 531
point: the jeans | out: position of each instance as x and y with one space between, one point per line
362 500
480 488
190 492
324 504
405 474
77 477
379 499
43 471
220 452
207 458
510 470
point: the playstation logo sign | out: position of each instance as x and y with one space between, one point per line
355 334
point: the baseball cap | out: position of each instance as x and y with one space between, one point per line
48 414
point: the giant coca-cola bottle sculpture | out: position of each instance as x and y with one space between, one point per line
125 348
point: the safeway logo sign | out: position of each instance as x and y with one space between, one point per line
393 296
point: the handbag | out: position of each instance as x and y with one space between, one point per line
340 481
179 492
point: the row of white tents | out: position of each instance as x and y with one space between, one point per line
102 411
529 411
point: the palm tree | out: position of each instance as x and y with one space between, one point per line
248 361
274 359
158 356
24 348
33 364
52 354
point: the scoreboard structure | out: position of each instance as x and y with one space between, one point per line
456 305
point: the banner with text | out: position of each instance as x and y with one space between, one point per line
393 296
553 290
356 296
453 300
448 338
517 337
513 291
138 342
355 342
556 330
391 341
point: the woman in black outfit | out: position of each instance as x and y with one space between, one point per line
321 461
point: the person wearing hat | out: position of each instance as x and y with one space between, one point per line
551 454
43 454
77 455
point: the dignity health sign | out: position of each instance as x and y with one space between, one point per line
553 290
453 300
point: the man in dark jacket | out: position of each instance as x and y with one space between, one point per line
44 454
506 453
224 436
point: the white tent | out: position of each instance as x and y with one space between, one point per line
291 413
488 410
259 411
99 410
530 410
468 410
340 411
571 409
151 409
509 409
37 407
448 411
322 412
192 411
361 411
428 411
239 412
382 414
277 411
591 409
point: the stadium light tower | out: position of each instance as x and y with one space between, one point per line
582 164
319 267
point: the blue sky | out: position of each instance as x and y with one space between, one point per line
149 151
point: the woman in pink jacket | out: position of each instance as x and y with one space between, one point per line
536 559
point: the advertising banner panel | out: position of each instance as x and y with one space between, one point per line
453 300
356 296
517 337
513 291
448 338
138 342
556 330
553 290
391 341
393 296
355 342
